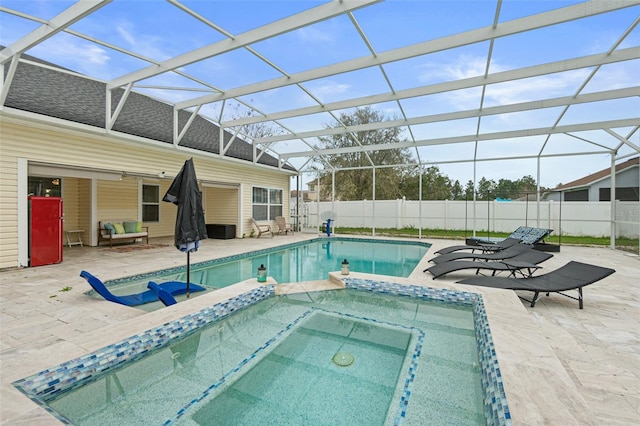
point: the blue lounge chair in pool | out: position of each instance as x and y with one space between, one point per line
172 288
165 297
572 276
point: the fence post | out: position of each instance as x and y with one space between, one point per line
446 214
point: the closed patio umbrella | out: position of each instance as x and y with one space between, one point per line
190 223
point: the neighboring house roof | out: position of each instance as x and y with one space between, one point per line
55 92
595 177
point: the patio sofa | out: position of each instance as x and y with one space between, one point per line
116 231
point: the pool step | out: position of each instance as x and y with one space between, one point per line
307 286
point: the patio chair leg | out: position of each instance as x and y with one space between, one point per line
580 297
534 299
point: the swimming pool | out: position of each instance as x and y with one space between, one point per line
303 261
418 353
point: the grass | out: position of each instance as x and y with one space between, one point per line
627 244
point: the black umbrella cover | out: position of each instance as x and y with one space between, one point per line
190 223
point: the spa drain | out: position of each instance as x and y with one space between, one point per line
343 359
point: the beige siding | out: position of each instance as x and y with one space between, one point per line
48 144
221 205
71 203
118 200
77 205
84 206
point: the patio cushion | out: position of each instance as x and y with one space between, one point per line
110 229
119 228
130 227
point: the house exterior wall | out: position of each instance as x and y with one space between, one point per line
83 147
221 212
77 206
624 179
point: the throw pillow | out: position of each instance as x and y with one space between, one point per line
119 228
138 226
109 228
130 227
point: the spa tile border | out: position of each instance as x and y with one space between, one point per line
48 384
496 410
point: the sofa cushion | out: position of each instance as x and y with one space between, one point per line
110 229
138 226
119 228
130 227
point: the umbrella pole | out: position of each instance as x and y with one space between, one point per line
188 272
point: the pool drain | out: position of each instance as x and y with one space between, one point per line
343 359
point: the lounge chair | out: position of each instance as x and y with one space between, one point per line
572 276
262 229
524 263
525 234
485 248
171 287
498 255
283 226
164 296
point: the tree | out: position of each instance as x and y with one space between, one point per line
486 189
435 185
356 184
254 130
457 193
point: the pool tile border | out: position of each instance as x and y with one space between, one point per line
207 263
47 384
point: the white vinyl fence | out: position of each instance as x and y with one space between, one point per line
566 218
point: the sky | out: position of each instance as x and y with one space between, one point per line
158 30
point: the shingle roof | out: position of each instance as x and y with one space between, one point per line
72 97
587 180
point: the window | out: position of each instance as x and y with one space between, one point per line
267 203
580 195
622 194
45 186
150 203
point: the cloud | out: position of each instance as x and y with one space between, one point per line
80 56
146 45
328 89
311 34
467 66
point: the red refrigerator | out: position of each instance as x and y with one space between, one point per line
45 230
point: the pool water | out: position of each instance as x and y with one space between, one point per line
305 261
328 360
274 362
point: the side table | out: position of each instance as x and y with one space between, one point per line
74 237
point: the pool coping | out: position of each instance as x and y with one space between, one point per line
45 385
